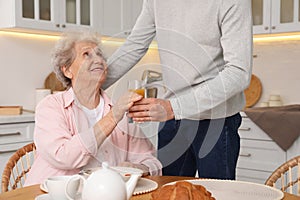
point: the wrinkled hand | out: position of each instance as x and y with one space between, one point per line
124 103
151 109
142 167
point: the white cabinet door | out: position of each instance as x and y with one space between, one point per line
119 16
260 155
112 19
79 13
275 16
34 14
254 176
249 130
261 14
15 132
50 15
285 16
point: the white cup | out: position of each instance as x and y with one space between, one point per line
41 93
274 97
54 92
275 103
264 104
57 187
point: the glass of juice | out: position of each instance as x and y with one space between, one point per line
137 87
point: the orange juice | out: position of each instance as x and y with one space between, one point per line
139 91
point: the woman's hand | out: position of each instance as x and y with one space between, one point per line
124 103
104 127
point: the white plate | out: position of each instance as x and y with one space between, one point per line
143 186
43 197
127 171
237 190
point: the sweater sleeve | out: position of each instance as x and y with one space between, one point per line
135 46
236 40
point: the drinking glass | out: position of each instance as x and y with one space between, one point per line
136 86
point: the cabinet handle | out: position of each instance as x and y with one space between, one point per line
57 25
246 155
245 129
266 28
63 26
273 27
10 134
127 32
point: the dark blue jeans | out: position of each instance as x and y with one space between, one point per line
209 146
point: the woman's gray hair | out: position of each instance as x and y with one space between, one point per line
64 52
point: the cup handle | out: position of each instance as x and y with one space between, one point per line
68 193
45 186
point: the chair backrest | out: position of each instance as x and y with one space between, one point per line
14 173
287 177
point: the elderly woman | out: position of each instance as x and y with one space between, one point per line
81 127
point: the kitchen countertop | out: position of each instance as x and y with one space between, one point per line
24 117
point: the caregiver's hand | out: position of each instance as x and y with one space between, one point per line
151 109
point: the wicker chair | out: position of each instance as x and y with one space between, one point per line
14 173
287 177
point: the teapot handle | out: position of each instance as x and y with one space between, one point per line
73 185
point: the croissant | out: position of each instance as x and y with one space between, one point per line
182 190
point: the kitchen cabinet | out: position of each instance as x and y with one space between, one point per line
119 17
275 16
15 132
49 15
259 154
113 18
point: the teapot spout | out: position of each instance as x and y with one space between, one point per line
131 183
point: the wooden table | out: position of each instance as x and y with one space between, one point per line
29 193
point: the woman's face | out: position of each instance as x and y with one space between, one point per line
89 67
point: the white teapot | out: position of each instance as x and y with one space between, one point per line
107 184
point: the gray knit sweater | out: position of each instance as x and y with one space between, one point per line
205 49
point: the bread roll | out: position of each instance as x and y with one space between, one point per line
182 190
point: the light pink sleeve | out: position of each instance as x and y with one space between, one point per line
141 150
57 139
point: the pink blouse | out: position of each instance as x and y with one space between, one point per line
66 143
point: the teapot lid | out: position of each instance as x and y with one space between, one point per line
105 165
